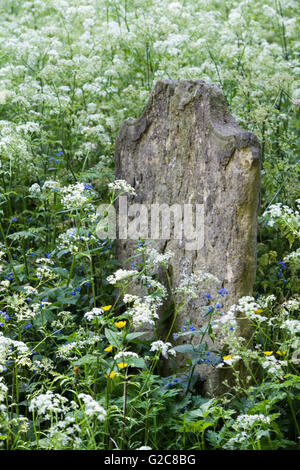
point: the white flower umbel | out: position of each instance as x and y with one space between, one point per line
3 390
35 190
154 258
30 290
293 326
17 303
164 348
123 355
229 360
92 407
293 258
128 298
44 261
72 238
51 185
292 305
157 286
226 322
190 284
43 272
248 421
144 311
250 309
2 254
94 313
246 307
5 283
75 196
121 275
266 301
123 186
48 403
272 366
283 216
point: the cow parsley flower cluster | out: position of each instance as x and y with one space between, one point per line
92 407
125 355
35 190
154 258
247 428
227 323
121 275
144 311
164 348
282 214
48 403
2 253
44 273
72 239
293 326
191 284
75 196
18 305
248 308
3 396
122 186
94 313
273 366
50 186
247 421
293 258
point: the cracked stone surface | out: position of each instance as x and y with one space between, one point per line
186 148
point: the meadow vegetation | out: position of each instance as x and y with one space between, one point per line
75 372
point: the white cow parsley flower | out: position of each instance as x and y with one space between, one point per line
164 348
92 407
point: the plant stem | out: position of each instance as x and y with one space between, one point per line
124 408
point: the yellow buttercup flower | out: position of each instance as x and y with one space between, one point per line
268 353
258 310
106 308
122 365
111 375
226 358
120 324
109 348
280 353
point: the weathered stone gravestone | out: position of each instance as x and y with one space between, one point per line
186 150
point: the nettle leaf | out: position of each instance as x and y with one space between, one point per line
44 317
203 410
24 234
113 337
136 362
87 359
196 427
185 348
134 335
60 253
61 271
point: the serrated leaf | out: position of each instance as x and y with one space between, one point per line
113 338
136 362
134 335
184 348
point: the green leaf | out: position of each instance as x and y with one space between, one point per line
185 348
136 362
133 336
113 338
87 359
